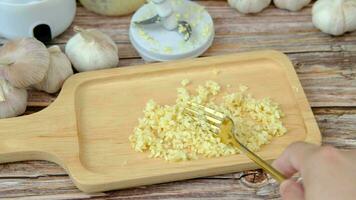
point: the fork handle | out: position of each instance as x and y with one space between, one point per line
263 164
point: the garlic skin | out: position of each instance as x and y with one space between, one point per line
335 17
23 62
91 50
59 70
291 5
13 101
249 6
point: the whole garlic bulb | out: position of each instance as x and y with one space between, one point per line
112 7
335 17
91 50
249 6
59 70
292 5
23 62
13 101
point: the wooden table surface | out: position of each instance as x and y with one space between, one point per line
326 67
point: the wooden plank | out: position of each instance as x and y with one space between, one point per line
40 99
325 66
38 169
43 180
235 32
337 127
30 169
62 188
13 188
328 78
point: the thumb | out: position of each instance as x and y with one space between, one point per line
291 190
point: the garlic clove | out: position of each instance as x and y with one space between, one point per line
249 6
335 17
91 50
13 101
291 5
59 70
23 62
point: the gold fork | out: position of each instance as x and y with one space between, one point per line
224 126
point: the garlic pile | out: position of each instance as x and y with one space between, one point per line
23 62
27 62
292 5
13 101
91 50
59 70
249 6
335 17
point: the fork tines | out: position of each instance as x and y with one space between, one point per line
212 117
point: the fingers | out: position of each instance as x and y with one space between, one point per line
291 190
293 158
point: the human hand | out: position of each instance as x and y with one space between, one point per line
328 173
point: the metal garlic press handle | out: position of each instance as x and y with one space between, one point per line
183 28
260 162
166 16
165 12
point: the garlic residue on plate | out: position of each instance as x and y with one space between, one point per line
292 5
249 6
23 62
91 49
166 132
156 43
335 17
59 70
13 101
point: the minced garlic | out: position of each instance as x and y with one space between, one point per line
185 82
166 132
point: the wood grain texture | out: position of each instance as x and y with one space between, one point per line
328 78
338 126
289 32
90 131
325 65
234 32
43 180
207 188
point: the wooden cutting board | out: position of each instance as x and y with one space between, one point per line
86 129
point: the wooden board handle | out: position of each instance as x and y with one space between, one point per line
19 139
33 137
